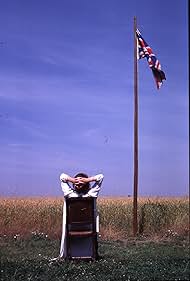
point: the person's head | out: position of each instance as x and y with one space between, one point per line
85 186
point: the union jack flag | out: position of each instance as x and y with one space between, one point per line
145 51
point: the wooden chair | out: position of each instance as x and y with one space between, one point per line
81 235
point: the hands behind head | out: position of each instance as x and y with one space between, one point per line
80 182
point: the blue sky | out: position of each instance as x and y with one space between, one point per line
66 96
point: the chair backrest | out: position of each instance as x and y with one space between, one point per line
80 211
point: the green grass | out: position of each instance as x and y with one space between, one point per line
29 259
30 229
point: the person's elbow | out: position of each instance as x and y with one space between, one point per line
63 177
100 177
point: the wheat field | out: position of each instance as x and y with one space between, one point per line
158 217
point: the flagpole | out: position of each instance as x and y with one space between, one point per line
135 186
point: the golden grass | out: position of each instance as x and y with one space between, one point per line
159 216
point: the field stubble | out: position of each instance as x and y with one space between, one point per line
157 217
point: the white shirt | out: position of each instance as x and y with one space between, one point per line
69 191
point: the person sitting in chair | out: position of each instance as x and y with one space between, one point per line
78 186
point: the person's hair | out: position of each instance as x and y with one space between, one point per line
86 186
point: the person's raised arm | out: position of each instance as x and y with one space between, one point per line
67 178
94 190
66 188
